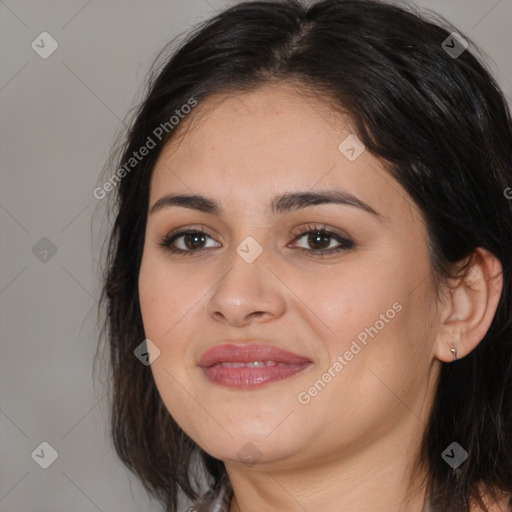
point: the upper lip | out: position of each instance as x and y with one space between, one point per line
229 352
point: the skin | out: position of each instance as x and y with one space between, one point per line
353 446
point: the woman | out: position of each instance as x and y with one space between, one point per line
308 281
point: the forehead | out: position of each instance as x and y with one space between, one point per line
249 146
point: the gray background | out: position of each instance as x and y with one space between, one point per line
59 117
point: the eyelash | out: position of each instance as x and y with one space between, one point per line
345 244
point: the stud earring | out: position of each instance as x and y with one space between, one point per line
454 352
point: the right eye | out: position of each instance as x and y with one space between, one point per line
192 241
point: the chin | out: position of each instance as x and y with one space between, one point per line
250 452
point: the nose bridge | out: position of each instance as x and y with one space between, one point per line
249 237
248 286
247 262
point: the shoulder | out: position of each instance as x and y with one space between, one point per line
214 500
501 503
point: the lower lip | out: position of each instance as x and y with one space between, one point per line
246 378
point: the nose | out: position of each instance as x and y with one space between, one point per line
247 292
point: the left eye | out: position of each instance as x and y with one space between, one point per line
320 240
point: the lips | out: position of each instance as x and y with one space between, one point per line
247 354
246 366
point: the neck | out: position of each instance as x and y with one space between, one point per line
370 480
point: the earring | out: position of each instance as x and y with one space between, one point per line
454 352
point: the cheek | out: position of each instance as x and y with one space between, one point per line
346 305
372 317
166 296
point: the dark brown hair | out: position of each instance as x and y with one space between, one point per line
443 129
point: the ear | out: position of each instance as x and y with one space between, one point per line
469 306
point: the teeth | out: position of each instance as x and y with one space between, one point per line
252 364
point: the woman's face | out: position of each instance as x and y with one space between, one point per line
363 318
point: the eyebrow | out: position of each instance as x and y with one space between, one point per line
281 204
